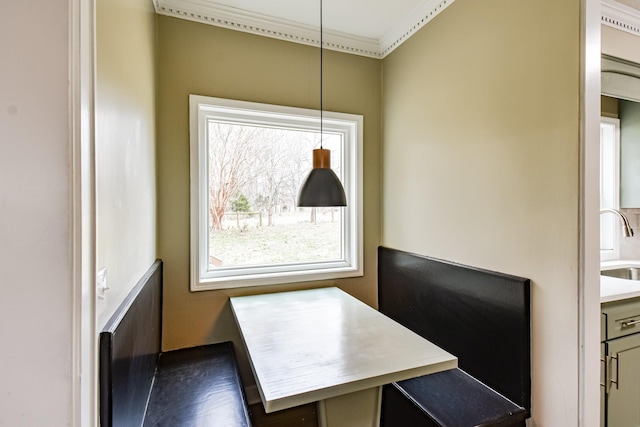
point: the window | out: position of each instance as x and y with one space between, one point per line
609 188
248 161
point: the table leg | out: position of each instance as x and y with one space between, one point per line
359 409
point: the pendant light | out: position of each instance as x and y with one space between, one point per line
322 187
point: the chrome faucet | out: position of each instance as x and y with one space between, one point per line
626 228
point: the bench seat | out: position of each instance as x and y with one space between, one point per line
450 398
197 386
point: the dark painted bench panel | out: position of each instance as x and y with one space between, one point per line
482 317
129 347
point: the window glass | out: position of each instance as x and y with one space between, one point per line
248 162
609 188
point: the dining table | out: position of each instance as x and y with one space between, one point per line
324 345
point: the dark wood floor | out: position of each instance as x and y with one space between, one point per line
300 416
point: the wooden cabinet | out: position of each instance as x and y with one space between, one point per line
623 395
620 396
602 385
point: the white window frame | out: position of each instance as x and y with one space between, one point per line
202 109
608 220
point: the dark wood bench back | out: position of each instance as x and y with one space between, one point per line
129 349
480 316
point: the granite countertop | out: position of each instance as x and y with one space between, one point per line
613 289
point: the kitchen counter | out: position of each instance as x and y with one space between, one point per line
614 289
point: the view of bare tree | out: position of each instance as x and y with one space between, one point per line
255 172
266 165
232 153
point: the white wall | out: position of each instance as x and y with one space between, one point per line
125 146
35 215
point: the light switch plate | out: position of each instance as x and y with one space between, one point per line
101 283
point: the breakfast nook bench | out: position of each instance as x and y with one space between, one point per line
483 318
142 386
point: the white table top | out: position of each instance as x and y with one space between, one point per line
310 345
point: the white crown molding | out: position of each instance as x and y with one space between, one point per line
621 17
614 14
236 19
423 14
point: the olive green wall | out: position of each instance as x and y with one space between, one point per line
609 106
201 59
481 164
124 146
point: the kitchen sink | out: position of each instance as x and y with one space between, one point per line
629 273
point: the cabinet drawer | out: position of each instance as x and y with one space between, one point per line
621 318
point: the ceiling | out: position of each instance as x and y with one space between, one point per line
364 27
364 18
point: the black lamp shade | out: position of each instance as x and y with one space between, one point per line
322 188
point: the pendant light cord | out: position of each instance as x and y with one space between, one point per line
321 75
